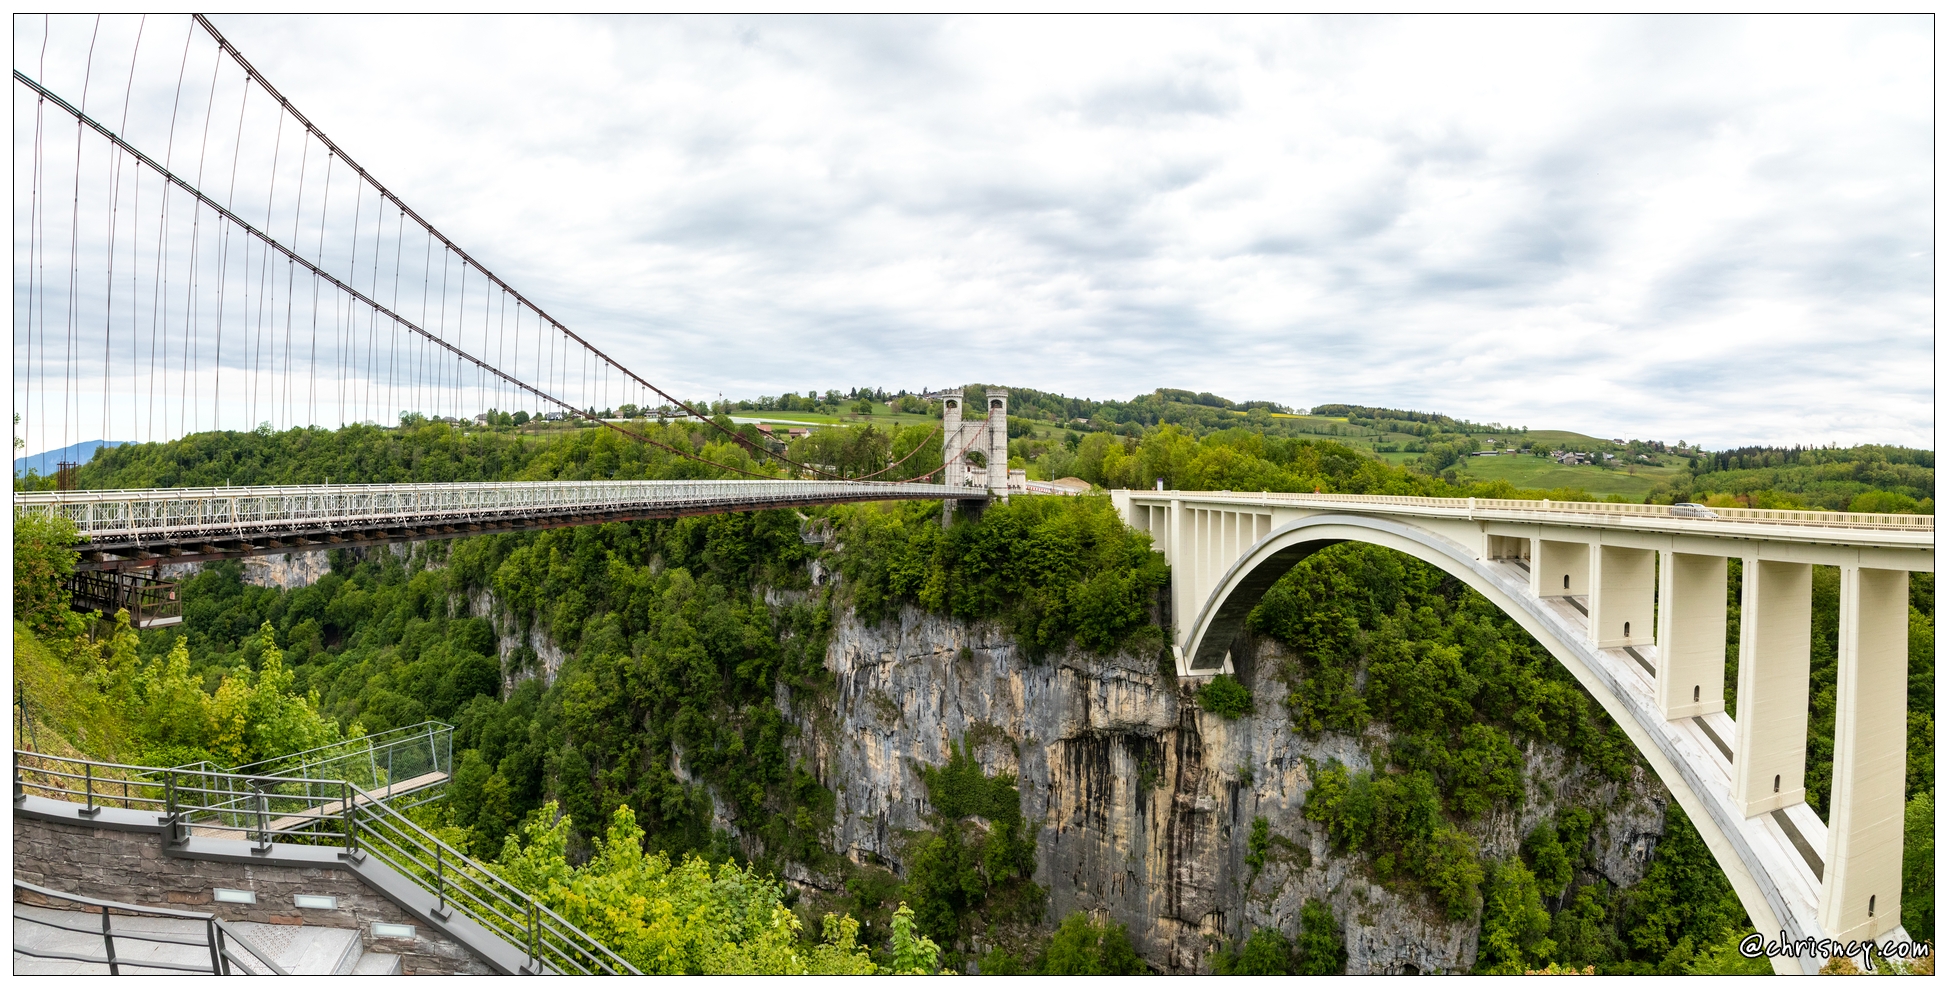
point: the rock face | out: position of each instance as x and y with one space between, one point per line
287 572
1145 801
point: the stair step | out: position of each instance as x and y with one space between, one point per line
304 950
377 963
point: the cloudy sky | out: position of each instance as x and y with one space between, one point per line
1716 230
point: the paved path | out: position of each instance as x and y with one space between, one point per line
298 949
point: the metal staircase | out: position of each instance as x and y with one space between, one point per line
202 812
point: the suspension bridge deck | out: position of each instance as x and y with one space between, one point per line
128 528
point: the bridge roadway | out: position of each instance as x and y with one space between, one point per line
134 528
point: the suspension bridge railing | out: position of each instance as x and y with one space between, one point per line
199 802
135 515
229 953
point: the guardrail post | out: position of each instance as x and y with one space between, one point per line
534 934
351 824
20 785
88 775
108 941
439 878
263 820
216 947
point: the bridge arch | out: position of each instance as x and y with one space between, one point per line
1246 582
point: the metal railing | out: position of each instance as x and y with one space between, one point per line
218 939
1619 510
409 762
198 802
135 515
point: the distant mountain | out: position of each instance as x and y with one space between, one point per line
44 464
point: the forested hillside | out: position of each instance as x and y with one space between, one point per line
622 742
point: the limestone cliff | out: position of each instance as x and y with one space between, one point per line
1144 800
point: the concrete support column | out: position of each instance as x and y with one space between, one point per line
1774 674
1860 893
1690 635
1560 569
1622 602
1182 612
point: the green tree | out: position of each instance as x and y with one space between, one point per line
1544 852
913 953
1081 946
1917 868
961 871
1265 952
44 559
1514 926
1322 945
665 918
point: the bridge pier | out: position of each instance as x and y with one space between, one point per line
1691 635
1622 584
1860 894
1774 682
1561 570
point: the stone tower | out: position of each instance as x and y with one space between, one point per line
960 436
953 445
996 447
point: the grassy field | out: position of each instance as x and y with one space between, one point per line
882 414
1543 473
1552 437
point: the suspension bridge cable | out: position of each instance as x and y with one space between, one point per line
223 268
346 334
162 231
37 270
74 249
114 237
264 275
258 77
195 257
324 211
320 275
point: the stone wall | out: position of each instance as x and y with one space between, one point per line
130 867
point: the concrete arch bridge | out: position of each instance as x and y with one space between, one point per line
1631 598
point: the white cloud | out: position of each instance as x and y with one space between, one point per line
1715 229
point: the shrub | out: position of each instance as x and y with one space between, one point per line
1225 697
1258 844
